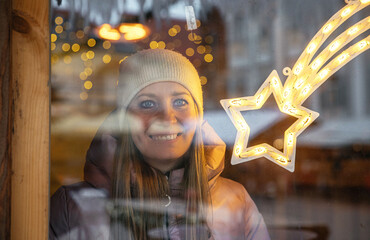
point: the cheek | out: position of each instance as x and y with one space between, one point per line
138 123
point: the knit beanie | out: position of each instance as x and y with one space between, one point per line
152 66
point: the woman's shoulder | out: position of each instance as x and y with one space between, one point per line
228 187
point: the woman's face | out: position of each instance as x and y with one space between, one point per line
162 119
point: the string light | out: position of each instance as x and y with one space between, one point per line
290 96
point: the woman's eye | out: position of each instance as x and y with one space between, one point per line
147 104
180 102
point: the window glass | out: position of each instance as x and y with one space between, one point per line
108 94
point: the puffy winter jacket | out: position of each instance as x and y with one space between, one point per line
80 211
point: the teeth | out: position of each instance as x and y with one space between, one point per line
165 137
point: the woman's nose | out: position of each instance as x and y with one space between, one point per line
168 114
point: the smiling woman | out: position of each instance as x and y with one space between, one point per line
157 177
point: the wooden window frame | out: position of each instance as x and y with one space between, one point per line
25 119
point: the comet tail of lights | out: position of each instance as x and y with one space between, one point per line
307 75
125 32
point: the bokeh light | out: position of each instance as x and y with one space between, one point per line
84 96
80 34
201 49
203 80
58 20
153 44
107 58
189 52
90 54
161 45
58 29
91 42
67 59
75 47
106 44
208 57
66 47
53 37
88 85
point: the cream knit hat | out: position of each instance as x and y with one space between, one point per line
156 65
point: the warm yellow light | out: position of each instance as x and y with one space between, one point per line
106 32
316 64
67 59
91 42
260 150
107 58
66 47
342 57
83 75
306 89
299 83
84 56
88 85
177 28
286 93
290 139
161 45
153 44
80 34
75 47
201 49
323 73
172 32
106 44
208 58
334 46
274 82
282 160
306 120
236 102
298 69
58 29
311 47
88 71
203 80
353 30
133 31
52 46
58 20
259 99
198 23
189 52
346 11
191 36
53 37
54 58
362 44
208 49
238 149
90 54
123 59
84 96
327 28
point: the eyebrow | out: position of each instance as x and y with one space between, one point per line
154 95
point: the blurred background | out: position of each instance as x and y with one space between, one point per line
235 47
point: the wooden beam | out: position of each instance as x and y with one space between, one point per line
30 138
5 116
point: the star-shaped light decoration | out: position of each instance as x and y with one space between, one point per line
305 78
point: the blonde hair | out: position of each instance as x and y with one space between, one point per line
136 184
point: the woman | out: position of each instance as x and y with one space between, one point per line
161 171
